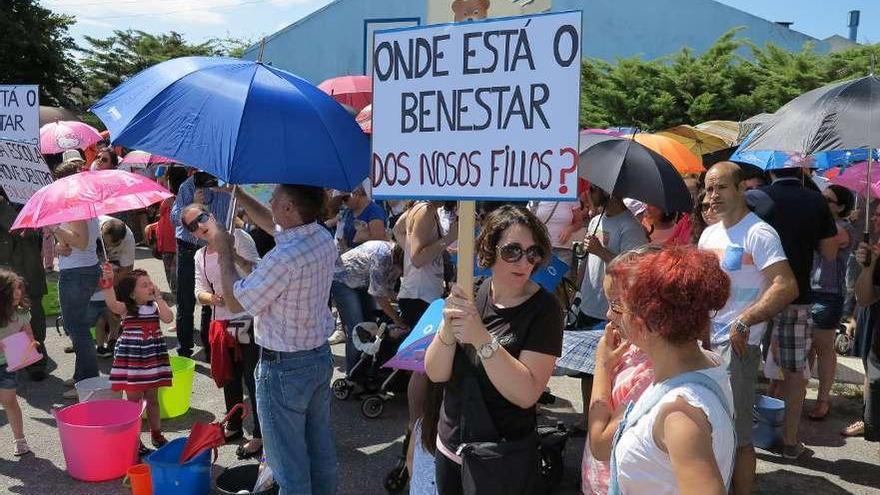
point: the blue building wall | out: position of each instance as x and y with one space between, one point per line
331 41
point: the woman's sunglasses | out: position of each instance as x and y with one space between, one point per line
194 225
514 252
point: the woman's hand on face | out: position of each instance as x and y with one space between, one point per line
611 348
463 320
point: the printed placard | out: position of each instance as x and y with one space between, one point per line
20 113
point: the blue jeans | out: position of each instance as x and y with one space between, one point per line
354 306
75 287
186 297
293 402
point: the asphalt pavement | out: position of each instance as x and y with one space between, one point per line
369 448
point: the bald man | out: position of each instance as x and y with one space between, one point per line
761 285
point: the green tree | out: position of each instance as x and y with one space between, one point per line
35 48
110 61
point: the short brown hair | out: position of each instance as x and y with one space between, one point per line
501 219
310 201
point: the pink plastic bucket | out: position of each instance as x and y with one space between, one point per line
99 438
20 351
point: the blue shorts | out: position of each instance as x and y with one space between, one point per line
8 379
827 310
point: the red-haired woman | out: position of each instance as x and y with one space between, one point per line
678 437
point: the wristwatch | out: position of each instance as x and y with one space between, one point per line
740 327
487 350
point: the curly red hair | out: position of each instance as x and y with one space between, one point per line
674 291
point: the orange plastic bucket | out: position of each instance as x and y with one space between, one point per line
138 478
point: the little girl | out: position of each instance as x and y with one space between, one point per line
14 317
140 361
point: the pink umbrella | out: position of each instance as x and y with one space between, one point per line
365 119
354 91
57 137
142 159
88 195
855 178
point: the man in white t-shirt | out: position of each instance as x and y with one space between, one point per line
119 244
761 285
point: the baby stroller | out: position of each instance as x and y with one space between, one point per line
377 342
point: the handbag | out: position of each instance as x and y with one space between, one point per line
494 465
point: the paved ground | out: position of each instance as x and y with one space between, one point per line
369 448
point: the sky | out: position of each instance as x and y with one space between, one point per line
199 20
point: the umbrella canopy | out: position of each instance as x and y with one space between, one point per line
365 119
727 130
54 114
839 116
855 178
242 121
770 160
698 142
142 159
678 154
411 352
354 91
88 195
58 137
627 169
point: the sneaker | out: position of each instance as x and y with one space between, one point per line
103 351
337 337
792 452
70 394
21 447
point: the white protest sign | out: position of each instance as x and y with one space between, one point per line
478 110
20 113
23 171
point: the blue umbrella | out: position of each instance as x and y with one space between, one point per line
770 160
242 121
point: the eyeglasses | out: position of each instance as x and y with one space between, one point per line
194 225
617 307
514 252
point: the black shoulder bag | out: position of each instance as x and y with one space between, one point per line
492 465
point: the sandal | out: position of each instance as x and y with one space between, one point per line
158 439
243 454
816 416
21 447
143 449
856 429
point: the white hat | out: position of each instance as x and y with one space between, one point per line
72 156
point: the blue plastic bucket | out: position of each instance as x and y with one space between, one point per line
172 478
769 410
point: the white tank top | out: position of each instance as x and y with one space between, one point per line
425 283
83 257
643 468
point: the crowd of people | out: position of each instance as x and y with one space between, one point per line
767 267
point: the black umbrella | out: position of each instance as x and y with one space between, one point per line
626 169
840 116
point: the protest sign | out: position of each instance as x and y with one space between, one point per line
20 113
478 110
23 171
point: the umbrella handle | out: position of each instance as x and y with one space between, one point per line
866 238
230 215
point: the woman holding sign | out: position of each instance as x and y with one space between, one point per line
495 354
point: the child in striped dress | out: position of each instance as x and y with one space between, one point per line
140 361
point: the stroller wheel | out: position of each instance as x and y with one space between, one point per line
372 407
843 344
395 480
341 389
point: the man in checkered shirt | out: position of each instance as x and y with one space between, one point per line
287 294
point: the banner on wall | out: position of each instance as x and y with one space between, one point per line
441 11
478 110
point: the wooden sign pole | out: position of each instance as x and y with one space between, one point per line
467 213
